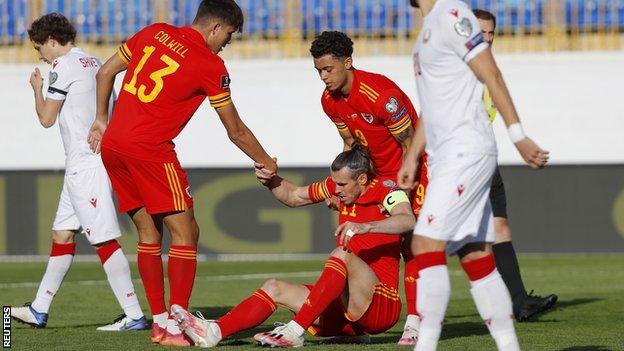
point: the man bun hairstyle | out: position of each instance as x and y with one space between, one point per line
227 11
485 15
338 44
53 25
357 159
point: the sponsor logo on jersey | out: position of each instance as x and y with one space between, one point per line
54 63
463 27
88 231
392 105
225 82
188 191
454 12
430 219
399 114
476 40
368 117
353 116
93 202
52 77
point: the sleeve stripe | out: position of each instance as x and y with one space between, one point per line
221 104
402 127
56 90
318 191
400 122
219 96
125 53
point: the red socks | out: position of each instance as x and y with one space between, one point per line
249 313
328 287
409 276
181 270
62 249
479 268
151 270
430 259
106 251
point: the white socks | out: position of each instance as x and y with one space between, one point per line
58 266
434 291
412 321
494 304
296 328
118 274
161 319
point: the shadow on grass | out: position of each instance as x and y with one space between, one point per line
575 302
587 348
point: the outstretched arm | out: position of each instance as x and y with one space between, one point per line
243 138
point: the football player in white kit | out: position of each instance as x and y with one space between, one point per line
450 58
86 199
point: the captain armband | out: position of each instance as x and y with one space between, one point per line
394 198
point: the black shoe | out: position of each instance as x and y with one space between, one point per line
532 305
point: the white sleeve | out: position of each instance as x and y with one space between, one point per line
462 32
59 80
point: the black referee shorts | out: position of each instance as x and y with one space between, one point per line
497 195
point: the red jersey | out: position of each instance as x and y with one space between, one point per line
380 251
375 109
170 73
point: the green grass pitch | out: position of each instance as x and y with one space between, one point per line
589 314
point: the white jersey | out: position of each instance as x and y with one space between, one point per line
451 97
72 79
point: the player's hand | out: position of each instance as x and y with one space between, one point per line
347 230
95 135
406 177
36 81
333 202
263 174
532 154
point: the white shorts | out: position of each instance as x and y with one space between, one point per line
457 208
87 202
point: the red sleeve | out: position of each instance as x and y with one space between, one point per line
130 47
325 102
319 191
216 84
394 111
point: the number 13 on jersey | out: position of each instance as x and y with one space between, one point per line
156 76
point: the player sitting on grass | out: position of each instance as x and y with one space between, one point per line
356 293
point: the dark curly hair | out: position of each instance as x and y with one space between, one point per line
335 43
225 10
357 159
53 25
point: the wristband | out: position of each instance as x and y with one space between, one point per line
350 233
516 133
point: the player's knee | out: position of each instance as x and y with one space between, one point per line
62 236
273 288
502 229
340 253
473 251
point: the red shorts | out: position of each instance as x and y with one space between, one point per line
158 186
381 315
